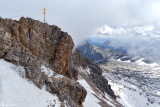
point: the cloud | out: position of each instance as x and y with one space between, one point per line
139 40
125 32
82 17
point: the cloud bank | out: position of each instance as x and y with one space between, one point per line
82 17
139 41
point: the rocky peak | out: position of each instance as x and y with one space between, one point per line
32 44
43 41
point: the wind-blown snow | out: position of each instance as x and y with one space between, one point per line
18 92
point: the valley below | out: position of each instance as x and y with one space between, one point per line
136 84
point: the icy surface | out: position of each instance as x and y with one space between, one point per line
16 91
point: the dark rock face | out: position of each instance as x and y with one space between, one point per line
89 52
95 72
31 44
100 81
100 54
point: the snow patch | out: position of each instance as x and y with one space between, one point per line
47 71
87 70
50 72
59 76
123 61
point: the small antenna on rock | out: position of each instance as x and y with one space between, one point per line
44 12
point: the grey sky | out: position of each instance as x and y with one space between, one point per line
81 18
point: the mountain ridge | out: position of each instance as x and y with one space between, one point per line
36 45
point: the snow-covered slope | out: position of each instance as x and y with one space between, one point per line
136 84
90 100
95 98
17 91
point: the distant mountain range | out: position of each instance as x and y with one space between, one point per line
100 51
93 52
111 44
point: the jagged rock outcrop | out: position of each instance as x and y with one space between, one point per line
95 75
42 40
31 44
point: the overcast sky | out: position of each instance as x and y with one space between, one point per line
81 18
